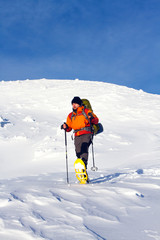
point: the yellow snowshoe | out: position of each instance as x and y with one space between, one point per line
80 170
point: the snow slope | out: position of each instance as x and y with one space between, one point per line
122 201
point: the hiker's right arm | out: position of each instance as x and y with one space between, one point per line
68 123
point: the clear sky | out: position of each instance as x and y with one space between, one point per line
116 41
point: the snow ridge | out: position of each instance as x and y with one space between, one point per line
122 200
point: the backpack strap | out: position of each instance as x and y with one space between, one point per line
85 128
83 112
72 116
85 115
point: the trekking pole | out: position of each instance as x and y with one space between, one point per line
94 168
66 156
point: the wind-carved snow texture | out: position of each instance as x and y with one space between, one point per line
122 200
3 121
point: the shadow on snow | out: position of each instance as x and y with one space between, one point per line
3 122
112 176
106 178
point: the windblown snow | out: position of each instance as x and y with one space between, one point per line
122 200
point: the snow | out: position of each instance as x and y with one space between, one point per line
79 166
122 200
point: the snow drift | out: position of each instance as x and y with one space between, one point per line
122 200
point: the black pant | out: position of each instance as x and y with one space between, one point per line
82 144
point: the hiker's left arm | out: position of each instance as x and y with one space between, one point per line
94 119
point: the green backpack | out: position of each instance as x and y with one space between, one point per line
96 127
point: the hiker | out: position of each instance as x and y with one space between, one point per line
81 120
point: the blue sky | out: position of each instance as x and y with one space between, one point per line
116 41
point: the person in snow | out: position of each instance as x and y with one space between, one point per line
81 120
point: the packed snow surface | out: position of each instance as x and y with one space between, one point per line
122 200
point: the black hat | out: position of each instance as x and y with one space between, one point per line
77 100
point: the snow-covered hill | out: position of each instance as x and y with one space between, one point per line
122 201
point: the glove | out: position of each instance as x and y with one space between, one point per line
90 115
62 126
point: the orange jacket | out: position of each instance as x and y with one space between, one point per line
77 121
